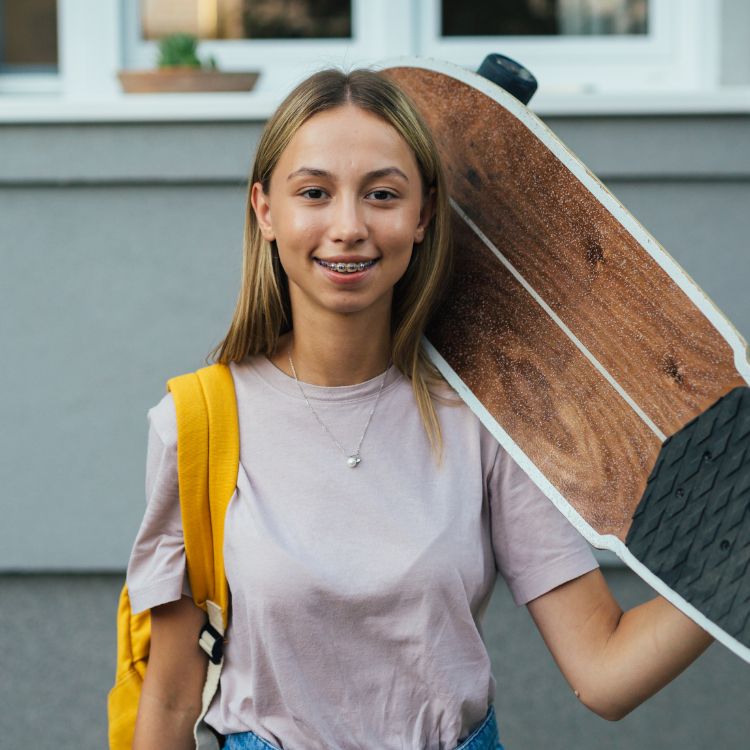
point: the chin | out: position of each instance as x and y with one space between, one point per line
353 306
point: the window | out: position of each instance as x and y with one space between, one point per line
543 17
247 19
571 45
582 45
283 39
28 44
608 46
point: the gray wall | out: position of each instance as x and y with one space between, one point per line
120 255
119 260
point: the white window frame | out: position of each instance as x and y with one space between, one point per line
380 29
663 59
96 39
658 73
29 83
88 57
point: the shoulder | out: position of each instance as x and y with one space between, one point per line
463 431
163 416
162 420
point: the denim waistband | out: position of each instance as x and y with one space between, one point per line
484 737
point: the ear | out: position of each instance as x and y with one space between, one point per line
262 209
425 216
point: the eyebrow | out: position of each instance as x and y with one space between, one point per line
373 175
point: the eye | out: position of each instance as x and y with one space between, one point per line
382 195
314 194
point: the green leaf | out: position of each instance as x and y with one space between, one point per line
178 50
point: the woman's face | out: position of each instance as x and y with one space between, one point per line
346 190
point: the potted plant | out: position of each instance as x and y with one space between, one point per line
181 71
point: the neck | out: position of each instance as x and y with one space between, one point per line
344 351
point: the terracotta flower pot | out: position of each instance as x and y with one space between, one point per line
184 80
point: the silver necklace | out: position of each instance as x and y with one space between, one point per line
352 459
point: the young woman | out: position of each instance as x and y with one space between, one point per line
372 510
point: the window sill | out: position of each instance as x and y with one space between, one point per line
139 108
728 100
258 106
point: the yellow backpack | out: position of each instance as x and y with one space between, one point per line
207 463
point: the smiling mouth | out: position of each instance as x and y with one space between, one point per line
346 267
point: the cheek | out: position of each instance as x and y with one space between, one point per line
295 229
397 232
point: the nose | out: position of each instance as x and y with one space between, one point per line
347 221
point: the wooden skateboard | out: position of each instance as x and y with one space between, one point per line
590 355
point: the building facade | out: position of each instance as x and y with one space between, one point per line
122 221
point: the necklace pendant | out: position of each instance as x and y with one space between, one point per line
353 460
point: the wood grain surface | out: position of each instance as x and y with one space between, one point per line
549 398
589 269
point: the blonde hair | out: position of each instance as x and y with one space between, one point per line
263 310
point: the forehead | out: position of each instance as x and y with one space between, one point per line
347 133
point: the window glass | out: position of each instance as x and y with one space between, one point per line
544 17
28 36
247 19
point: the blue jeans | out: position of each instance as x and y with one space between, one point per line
484 737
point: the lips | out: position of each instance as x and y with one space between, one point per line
347 266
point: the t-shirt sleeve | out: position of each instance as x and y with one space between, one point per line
156 570
536 547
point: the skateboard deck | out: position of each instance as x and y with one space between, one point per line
589 354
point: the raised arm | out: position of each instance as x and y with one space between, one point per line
171 696
614 660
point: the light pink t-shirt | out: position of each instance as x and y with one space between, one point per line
357 594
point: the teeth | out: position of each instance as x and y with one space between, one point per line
346 267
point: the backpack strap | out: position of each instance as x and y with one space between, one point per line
208 447
223 466
207 465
